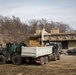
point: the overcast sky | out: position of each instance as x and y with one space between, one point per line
55 10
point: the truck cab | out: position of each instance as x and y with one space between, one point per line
56 50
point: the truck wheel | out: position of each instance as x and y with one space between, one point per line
42 60
16 60
54 58
46 59
58 57
2 59
49 57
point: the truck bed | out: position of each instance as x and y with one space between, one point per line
35 51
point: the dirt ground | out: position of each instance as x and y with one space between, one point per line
65 66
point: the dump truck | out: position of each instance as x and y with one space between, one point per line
17 52
37 54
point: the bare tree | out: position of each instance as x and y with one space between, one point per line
12 29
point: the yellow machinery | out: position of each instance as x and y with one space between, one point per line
35 41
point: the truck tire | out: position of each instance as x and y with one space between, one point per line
58 57
46 60
53 57
2 59
49 57
16 60
42 60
